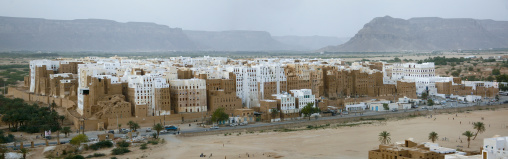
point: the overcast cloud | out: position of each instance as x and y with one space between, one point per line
341 18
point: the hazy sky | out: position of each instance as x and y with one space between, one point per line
341 18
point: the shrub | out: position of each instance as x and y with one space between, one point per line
75 157
119 151
98 154
101 144
153 142
123 144
77 140
143 146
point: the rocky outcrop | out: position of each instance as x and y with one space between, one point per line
393 34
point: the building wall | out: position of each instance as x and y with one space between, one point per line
188 96
407 89
220 99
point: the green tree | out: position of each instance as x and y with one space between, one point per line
433 136
430 102
53 105
133 125
470 68
158 127
496 72
385 106
468 134
307 110
77 140
479 127
62 118
490 78
425 95
66 130
384 137
136 126
274 112
455 74
219 115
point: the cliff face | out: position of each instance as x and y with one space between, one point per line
89 35
393 34
237 40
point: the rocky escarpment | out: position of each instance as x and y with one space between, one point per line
393 34
89 35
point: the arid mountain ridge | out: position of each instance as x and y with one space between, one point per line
33 34
384 34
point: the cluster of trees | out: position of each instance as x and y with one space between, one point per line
219 115
12 74
133 125
444 61
309 110
384 136
6 138
22 54
21 116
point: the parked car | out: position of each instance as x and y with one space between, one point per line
243 123
170 128
506 101
148 129
111 131
214 127
233 124
425 108
163 131
125 131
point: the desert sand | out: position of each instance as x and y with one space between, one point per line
339 142
334 142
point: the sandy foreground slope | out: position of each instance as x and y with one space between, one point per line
342 142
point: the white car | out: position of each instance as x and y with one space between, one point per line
214 127
148 129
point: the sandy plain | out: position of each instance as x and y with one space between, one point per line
334 142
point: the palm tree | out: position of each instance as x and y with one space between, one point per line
53 106
274 112
131 124
479 127
62 118
158 127
433 136
384 137
468 134
24 151
136 126
66 131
